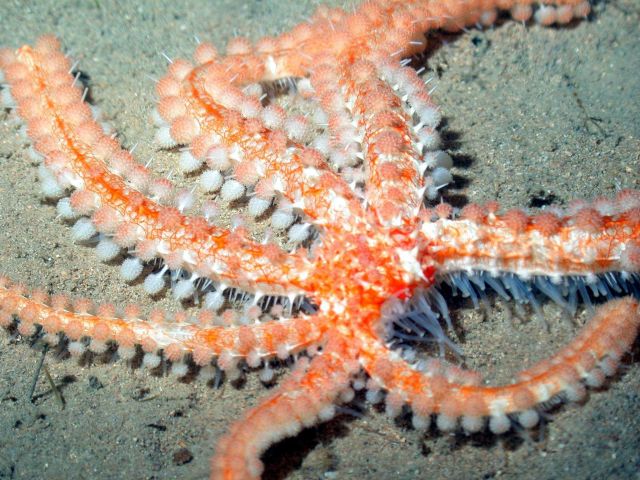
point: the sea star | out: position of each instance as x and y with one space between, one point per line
379 242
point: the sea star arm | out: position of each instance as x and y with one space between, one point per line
204 105
293 53
453 393
108 183
393 180
178 338
206 109
306 397
588 240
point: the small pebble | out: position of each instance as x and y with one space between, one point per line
182 456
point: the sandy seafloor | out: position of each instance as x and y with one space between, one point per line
532 114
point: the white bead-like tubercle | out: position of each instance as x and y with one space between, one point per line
267 374
131 268
211 180
575 392
499 424
528 418
97 346
446 423
188 163
179 369
218 158
429 115
154 283
34 155
214 300
126 353
429 138
51 188
472 424
184 200
76 348
7 99
299 232
421 422
253 359
282 219
107 250
373 396
163 137
82 230
184 289
441 176
232 190
257 206
151 360
157 120
64 209
327 413
438 158
207 373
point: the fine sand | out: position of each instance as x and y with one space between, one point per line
532 115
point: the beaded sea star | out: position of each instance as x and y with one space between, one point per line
349 184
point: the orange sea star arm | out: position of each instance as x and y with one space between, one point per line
586 242
282 166
262 340
307 396
81 155
453 392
